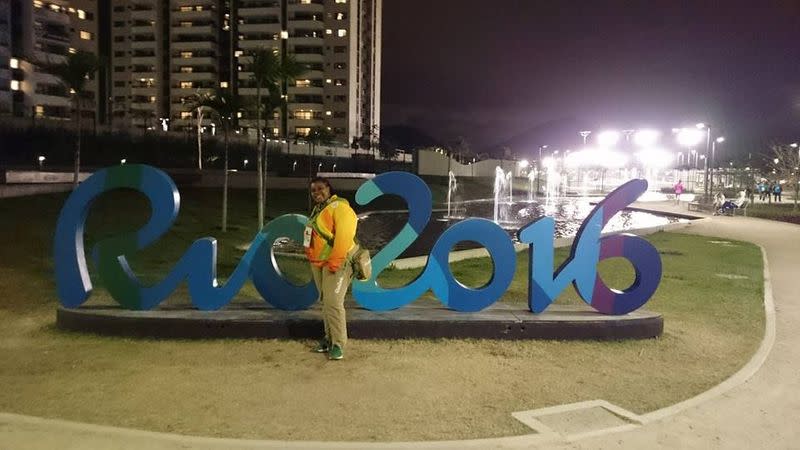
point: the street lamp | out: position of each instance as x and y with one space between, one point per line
123 161
41 159
716 141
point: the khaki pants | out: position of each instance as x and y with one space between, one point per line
332 288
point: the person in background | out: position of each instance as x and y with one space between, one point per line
678 191
329 241
719 200
730 205
777 190
762 190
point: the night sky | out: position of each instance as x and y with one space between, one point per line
492 70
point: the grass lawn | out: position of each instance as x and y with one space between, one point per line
711 298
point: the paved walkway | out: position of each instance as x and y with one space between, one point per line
762 412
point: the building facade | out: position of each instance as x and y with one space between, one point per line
163 51
35 35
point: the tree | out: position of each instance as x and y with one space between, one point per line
225 108
786 166
73 74
197 102
270 72
265 66
316 136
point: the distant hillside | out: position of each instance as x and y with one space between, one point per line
559 133
407 137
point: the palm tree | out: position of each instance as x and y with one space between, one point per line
270 72
316 136
266 70
73 74
225 108
197 102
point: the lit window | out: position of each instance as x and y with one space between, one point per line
238 53
275 131
328 31
223 84
73 50
340 82
55 7
239 114
85 35
14 63
307 115
341 1
284 35
186 69
341 33
37 3
81 14
186 84
303 83
152 99
185 8
198 8
305 2
14 85
186 114
72 10
329 81
186 54
339 16
302 131
39 110
328 113
186 24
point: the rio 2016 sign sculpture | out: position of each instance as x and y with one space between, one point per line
198 265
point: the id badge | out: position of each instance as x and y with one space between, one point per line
307 237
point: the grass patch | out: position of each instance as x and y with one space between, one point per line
383 390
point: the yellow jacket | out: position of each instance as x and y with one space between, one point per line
333 230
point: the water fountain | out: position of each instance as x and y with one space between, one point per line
531 178
499 184
510 185
451 188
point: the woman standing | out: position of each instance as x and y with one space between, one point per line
329 242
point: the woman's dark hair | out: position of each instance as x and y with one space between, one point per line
323 180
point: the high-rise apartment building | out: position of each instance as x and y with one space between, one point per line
38 34
5 57
163 51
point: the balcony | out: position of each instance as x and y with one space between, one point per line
309 57
259 12
143 44
293 122
181 16
193 76
195 61
48 15
255 44
306 24
194 45
306 90
270 28
144 91
307 7
143 29
304 40
196 30
144 60
147 15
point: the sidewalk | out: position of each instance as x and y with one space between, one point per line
763 412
